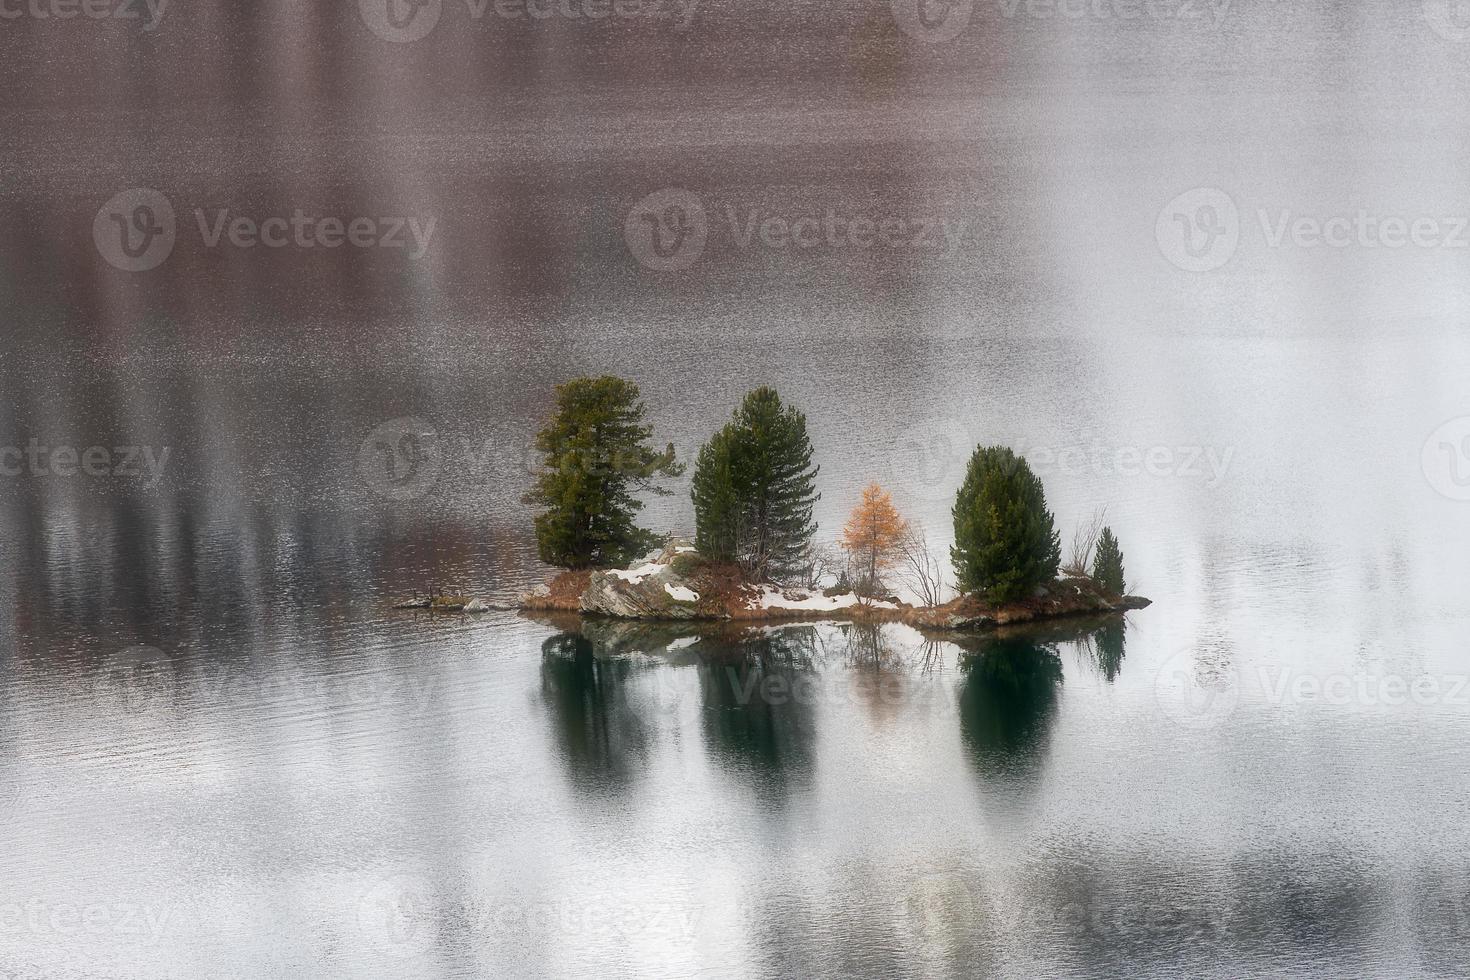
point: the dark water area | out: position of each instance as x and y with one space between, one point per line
222 754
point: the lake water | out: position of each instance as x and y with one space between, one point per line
1204 265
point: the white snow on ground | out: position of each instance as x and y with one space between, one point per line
680 593
772 598
682 642
636 575
684 547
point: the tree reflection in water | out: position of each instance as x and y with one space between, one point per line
759 695
603 738
1008 702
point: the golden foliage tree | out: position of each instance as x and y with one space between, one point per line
873 536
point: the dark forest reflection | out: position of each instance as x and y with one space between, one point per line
1008 702
595 724
759 706
1106 648
755 702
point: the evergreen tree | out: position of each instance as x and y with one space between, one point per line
596 458
1107 567
716 509
1006 542
754 488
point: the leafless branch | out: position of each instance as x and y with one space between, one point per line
923 571
1084 542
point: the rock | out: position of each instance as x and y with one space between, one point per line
475 606
653 590
542 591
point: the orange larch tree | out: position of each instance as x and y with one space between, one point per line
873 536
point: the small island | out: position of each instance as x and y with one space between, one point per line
753 557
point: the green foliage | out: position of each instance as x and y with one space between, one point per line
754 488
1006 543
717 517
1107 566
596 457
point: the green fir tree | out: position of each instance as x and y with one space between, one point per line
1107 565
754 488
596 458
1006 543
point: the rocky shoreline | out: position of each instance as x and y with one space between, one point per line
678 585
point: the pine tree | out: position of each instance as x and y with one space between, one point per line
1107 567
1006 542
716 508
596 457
873 536
754 488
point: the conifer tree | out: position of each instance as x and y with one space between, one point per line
1006 542
755 487
597 457
1107 567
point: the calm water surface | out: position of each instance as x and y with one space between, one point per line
222 754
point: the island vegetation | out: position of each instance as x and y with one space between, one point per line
754 553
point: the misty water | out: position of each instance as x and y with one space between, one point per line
222 753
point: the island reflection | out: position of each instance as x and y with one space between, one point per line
613 688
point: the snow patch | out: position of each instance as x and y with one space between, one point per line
681 593
636 575
772 598
683 642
